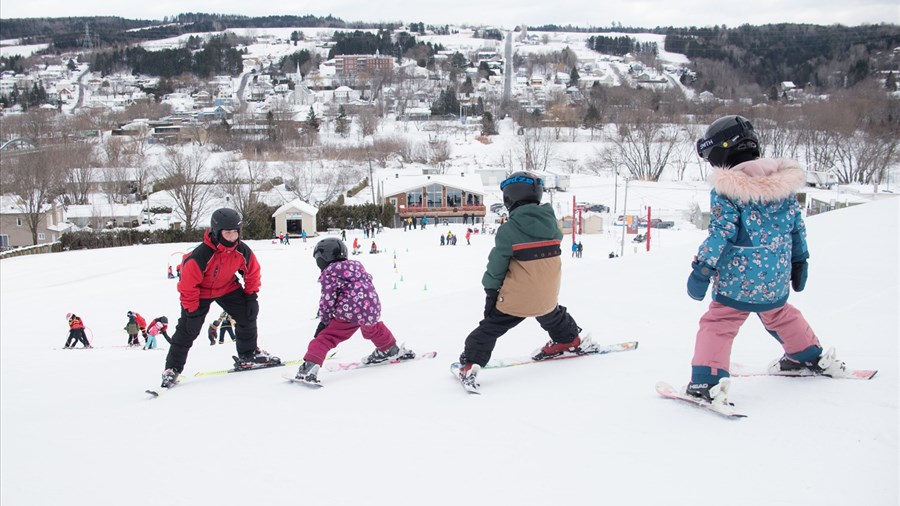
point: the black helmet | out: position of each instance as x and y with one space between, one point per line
520 188
225 219
163 319
729 141
130 314
328 250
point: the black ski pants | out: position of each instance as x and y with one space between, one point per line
191 324
76 336
480 343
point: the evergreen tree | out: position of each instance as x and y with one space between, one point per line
341 123
592 117
467 87
890 83
574 77
488 127
312 122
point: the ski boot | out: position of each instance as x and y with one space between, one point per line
713 394
256 360
826 364
393 353
308 372
554 349
468 376
169 378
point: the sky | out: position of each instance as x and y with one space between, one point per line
76 427
502 13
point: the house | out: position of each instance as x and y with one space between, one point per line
104 215
295 217
440 197
14 230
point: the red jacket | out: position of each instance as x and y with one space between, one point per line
75 323
142 323
209 272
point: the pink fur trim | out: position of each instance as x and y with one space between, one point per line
762 180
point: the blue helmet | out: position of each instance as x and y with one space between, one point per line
521 188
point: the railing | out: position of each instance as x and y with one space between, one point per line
473 210
31 250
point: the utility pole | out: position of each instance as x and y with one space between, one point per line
624 218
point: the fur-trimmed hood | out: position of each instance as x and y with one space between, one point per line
762 180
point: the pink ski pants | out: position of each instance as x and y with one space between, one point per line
339 331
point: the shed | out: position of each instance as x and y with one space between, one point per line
295 217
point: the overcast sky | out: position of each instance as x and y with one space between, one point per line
501 13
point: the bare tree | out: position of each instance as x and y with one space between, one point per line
240 179
534 148
35 178
368 122
643 147
184 171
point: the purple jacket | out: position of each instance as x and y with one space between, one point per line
348 294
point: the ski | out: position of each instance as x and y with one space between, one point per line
470 386
158 391
727 410
347 366
294 379
220 372
591 349
741 371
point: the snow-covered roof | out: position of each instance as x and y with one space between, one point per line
297 205
470 184
104 210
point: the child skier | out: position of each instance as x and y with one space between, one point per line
348 302
209 275
226 324
522 280
165 326
155 328
755 252
76 332
132 329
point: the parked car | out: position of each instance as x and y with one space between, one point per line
496 207
598 208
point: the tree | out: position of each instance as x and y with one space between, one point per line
183 172
312 121
467 87
488 127
35 178
240 179
534 149
574 76
643 147
592 119
341 123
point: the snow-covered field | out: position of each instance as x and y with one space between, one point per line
77 429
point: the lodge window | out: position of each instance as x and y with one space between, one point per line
454 197
414 199
435 195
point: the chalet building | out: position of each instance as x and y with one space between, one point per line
439 197
295 217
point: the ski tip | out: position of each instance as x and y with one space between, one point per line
152 393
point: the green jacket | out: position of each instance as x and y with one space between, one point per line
525 262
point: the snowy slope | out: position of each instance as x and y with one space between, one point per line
76 428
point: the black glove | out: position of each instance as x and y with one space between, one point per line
252 307
490 300
799 271
320 328
698 281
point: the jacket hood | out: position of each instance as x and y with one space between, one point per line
531 220
761 180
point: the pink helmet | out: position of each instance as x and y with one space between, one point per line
69 316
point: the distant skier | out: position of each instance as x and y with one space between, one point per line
76 332
522 279
156 327
756 251
348 302
132 329
209 276
162 330
226 325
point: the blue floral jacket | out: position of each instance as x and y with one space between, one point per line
756 231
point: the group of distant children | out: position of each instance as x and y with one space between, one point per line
135 326
754 213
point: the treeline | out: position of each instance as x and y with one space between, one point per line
822 56
620 46
616 27
218 57
344 217
359 42
45 28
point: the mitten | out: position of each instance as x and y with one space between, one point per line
490 300
698 281
320 328
799 271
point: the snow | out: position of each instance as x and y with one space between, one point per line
77 429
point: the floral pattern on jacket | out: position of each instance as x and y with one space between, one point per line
348 294
756 231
